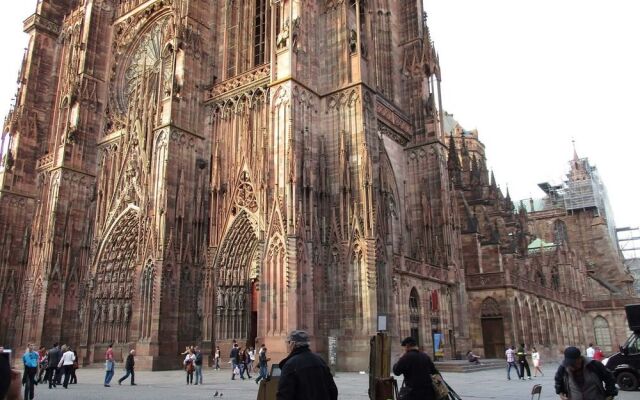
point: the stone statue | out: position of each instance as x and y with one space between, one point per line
103 314
353 41
118 313
96 312
241 299
220 297
127 311
111 312
229 277
226 297
234 297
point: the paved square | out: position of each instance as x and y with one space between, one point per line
171 385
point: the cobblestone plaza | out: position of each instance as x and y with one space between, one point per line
491 384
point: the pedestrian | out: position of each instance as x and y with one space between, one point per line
521 355
198 365
262 363
110 365
233 355
76 365
216 358
579 378
243 358
598 355
511 362
252 358
53 358
30 361
415 366
128 366
535 357
590 351
304 375
42 363
66 363
189 366
472 358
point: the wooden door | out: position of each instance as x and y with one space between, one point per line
493 337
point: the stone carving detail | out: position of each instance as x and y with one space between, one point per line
490 308
245 196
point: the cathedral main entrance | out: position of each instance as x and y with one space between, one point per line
237 267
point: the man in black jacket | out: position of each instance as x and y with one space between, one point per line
128 366
583 379
304 375
53 376
417 369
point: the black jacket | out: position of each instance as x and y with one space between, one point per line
54 357
234 355
130 363
417 369
562 378
305 376
198 358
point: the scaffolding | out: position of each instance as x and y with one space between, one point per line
629 246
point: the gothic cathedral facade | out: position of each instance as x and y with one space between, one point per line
188 171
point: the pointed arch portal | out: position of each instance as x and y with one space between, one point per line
492 328
237 268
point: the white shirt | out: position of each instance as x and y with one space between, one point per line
67 358
252 355
190 357
535 356
590 352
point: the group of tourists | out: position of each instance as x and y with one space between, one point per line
517 359
241 360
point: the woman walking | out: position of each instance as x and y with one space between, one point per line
66 362
244 361
189 366
535 356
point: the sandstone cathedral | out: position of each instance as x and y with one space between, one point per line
180 172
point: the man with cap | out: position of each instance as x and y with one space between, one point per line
579 378
416 367
304 375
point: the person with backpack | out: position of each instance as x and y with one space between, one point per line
580 378
417 369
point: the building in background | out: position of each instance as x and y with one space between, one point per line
182 172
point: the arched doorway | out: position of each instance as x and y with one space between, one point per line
492 328
237 268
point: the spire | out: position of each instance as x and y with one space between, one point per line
575 153
493 180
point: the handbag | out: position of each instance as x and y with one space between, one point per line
236 371
404 392
108 365
440 388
